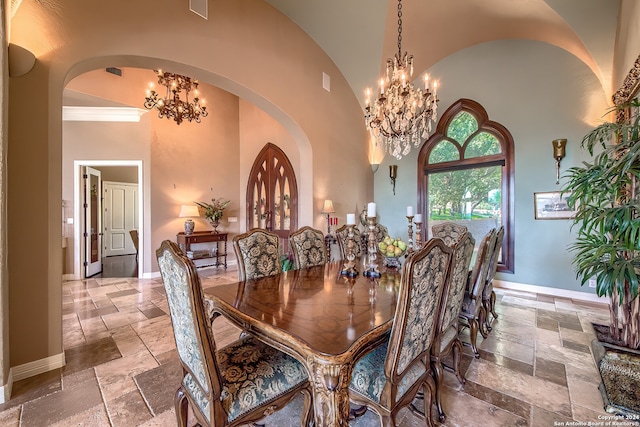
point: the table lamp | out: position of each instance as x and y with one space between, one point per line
189 211
328 209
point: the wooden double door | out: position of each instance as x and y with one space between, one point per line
272 194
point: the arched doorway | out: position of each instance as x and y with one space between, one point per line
272 194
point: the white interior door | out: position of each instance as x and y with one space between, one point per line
120 217
92 221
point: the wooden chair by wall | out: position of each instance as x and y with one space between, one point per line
388 378
473 314
134 237
446 340
488 295
308 247
258 254
221 388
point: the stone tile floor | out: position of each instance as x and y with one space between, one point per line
535 369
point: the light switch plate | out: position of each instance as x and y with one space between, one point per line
232 219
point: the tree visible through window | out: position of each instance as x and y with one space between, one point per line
466 175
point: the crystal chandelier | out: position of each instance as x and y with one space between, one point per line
402 114
172 106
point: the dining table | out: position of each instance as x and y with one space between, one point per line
323 318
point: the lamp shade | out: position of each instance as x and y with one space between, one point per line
328 206
188 211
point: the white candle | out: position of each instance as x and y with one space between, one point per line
351 219
418 219
371 209
409 210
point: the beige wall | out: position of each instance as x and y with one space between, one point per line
246 48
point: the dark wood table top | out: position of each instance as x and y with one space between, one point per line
323 311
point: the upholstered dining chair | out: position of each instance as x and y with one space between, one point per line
258 254
134 238
446 340
473 314
342 235
230 386
389 377
448 231
308 247
488 294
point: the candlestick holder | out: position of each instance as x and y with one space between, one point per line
410 233
349 268
418 235
372 249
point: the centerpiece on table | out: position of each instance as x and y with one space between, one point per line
213 211
392 249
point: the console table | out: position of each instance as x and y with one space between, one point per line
219 252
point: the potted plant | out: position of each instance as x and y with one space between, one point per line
606 198
213 211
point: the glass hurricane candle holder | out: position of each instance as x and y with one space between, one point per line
372 265
349 268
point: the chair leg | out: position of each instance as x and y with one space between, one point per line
429 391
438 373
493 305
482 322
457 350
307 409
182 407
473 335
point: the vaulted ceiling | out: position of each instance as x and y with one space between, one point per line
359 35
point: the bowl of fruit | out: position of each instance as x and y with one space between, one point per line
392 249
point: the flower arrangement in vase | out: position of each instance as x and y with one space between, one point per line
213 211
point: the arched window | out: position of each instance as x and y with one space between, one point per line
465 175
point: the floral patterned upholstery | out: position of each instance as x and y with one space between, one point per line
488 295
258 254
342 234
231 386
448 231
447 340
389 383
472 312
307 245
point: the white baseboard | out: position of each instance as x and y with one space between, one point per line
36 367
565 293
5 390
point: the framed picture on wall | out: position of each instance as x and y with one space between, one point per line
552 205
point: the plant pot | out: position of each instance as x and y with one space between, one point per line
215 225
619 369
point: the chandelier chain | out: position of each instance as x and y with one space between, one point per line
399 28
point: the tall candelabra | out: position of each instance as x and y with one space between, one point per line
349 268
410 233
372 265
418 233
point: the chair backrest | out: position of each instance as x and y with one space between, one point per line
495 255
422 283
380 231
134 237
478 274
448 231
457 282
342 234
194 342
258 254
308 247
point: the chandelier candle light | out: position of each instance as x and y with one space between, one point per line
401 115
172 106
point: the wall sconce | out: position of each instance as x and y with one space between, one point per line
189 211
328 209
559 151
393 174
374 167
